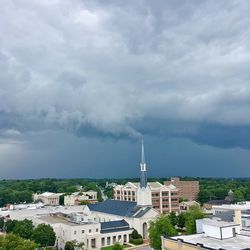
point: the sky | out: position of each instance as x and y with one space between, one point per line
82 81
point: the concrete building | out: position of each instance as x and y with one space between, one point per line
137 216
187 189
238 213
78 197
212 235
164 199
48 199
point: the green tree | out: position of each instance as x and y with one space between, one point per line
135 234
24 228
15 242
10 225
69 245
161 226
1 223
173 218
117 246
44 235
238 196
181 220
190 219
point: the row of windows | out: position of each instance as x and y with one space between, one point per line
126 192
90 230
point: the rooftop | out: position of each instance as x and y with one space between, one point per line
120 208
239 206
239 242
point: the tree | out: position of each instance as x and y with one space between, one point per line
135 235
15 242
238 196
44 235
24 228
117 246
69 245
181 220
191 216
173 218
10 225
1 223
161 226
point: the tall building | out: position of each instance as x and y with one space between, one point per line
164 199
187 189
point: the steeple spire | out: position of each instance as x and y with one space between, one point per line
143 179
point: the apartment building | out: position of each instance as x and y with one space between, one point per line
165 199
187 189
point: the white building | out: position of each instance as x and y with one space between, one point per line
48 198
239 213
211 234
78 197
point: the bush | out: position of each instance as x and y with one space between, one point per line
136 241
135 235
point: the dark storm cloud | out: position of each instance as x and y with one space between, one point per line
120 69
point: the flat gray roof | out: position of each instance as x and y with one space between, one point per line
236 243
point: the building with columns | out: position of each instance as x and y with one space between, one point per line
163 198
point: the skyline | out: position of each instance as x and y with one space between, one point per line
82 81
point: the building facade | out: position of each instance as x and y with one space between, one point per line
187 189
79 197
165 199
48 199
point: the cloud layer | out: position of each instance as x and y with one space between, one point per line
115 68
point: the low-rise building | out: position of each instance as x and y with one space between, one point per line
79 197
137 216
48 198
186 205
211 235
187 189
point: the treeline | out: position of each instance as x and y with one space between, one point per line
19 191
16 191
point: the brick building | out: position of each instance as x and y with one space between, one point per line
187 189
165 199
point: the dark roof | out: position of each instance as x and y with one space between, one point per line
114 226
225 216
121 208
218 202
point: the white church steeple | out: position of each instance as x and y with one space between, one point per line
144 196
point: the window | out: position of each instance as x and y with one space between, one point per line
89 230
82 231
96 230
75 232
164 193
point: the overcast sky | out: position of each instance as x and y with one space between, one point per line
82 81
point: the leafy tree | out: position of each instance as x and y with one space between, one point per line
24 228
1 223
69 245
161 226
135 234
10 225
173 218
190 217
44 235
15 242
181 220
117 246
238 196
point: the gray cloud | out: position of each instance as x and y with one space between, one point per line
110 69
